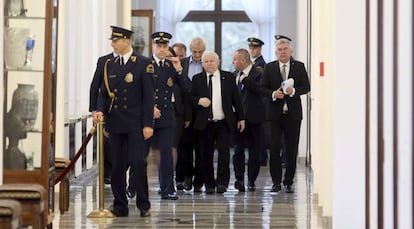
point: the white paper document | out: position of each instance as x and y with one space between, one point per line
287 83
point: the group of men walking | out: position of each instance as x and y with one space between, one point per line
148 101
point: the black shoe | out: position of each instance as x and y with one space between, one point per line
180 186
210 190
198 188
130 193
188 184
239 185
221 189
117 212
276 188
170 197
107 180
289 189
251 186
145 213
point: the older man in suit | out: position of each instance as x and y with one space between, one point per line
127 100
248 83
214 95
189 160
284 110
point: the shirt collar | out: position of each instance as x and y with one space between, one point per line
216 73
247 69
194 61
157 60
127 55
281 64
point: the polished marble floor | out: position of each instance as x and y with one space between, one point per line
259 209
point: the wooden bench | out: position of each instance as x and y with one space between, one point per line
10 214
60 165
31 198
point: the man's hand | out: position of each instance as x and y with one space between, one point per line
289 91
279 93
241 125
177 64
186 124
204 102
157 113
147 132
96 116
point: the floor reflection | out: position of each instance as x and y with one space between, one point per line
259 209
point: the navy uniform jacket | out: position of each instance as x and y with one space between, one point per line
259 63
229 97
164 80
271 81
97 81
252 101
133 105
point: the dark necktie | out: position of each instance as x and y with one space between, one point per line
160 64
122 60
239 83
210 89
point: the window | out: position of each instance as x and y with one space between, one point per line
224 30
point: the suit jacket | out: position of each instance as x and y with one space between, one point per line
97 80
271 81
229 97
252 101
164 81
133 105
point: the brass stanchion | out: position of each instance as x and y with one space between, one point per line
101 212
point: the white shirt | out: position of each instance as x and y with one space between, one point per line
126 56
217 106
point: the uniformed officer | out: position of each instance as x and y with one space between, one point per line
126 98
167 73
255 51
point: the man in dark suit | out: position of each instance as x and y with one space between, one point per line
168 72
214 95
248 83
255 51
93 99
127 100
189 160
284 109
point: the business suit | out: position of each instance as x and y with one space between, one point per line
289 122
254 111
216 131
93 100
188 163
130 110
164 80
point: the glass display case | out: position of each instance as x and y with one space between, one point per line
27 79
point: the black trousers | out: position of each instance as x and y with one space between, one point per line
291 129
128 150
189 156
107 158
252 136
215 133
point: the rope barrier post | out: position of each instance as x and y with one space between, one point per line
101 212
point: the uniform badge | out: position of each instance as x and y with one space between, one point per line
167 64
170 82
133 58
150 68
129 78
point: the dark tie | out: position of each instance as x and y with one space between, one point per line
239 83
210 89
160 64
122 60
